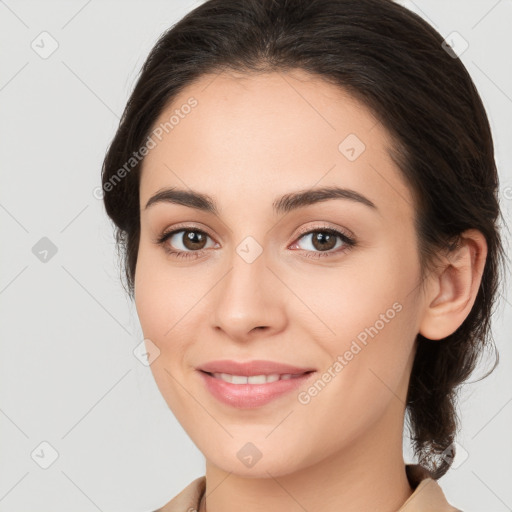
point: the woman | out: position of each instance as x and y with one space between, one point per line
305 195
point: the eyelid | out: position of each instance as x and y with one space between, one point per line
323 225
182 227
345 235
302 231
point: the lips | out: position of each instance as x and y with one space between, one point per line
253 368
247 395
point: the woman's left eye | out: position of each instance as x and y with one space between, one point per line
325 240
322 242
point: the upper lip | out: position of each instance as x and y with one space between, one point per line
250 368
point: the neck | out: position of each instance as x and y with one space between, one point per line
368 474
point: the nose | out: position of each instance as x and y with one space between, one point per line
249 301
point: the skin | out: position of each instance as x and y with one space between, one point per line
250 139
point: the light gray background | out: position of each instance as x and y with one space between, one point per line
68 374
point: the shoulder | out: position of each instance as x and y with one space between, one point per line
427 494
188 499
426 497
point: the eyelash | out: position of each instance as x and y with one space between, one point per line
348 241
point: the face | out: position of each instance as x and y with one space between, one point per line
329 286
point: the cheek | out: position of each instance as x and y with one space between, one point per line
366 321
170 306
364 290
159 307
160 298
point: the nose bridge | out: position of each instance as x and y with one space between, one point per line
245 298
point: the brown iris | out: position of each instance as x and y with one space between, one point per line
324 240
194 240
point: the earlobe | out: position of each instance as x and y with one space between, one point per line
452 289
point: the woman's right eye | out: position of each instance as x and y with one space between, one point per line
184 243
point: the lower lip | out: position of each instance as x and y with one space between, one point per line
249 396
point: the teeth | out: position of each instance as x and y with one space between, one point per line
253 379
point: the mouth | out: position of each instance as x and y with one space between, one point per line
255 379
255 368
254 384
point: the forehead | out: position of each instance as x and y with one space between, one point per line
267 134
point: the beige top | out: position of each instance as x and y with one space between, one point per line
427 496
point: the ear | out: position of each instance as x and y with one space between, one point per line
452 289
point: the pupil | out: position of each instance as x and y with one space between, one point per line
323 241
193 240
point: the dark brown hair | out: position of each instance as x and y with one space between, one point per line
394 62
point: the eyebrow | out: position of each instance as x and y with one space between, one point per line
281 205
